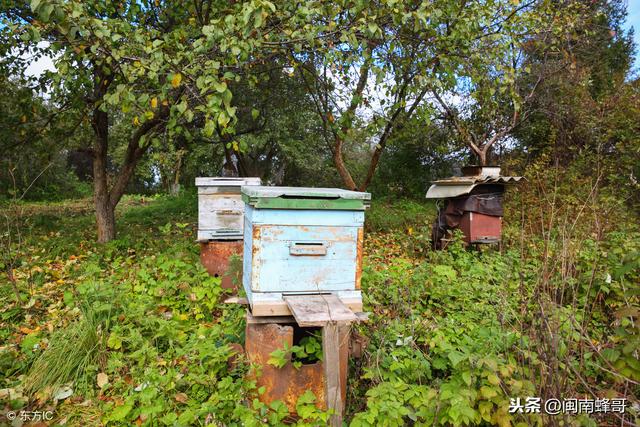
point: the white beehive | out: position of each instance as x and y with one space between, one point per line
220 207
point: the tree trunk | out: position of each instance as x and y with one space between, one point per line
482 156
106 220
105 210
342 169
175 186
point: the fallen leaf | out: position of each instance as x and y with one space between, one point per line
102 380
182 398
62 392
175 81
141 386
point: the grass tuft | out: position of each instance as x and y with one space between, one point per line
71 353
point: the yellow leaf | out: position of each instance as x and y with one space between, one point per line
175 81
493 379
154 102
165 103
136 121
487 392
102 379
23 119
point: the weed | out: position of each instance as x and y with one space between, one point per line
72 356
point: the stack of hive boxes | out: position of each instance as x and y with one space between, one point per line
220 222
302 263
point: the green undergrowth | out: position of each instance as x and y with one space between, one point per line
392 215
454 335
135 331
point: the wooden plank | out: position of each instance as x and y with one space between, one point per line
280 308
317 310
237 300
331 334
251 319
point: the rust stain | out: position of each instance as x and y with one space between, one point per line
287 383
256 238
255 259
214 256
359 246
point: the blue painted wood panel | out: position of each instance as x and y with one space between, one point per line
300 250
303 217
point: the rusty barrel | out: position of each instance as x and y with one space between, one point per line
215 255
287 384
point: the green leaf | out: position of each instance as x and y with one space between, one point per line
114 341
456 357
220 86
45 12
119 413
466 376
223 119
254 113
35 4
209 128
29 342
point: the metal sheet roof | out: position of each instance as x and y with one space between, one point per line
224 181
460 185
304 192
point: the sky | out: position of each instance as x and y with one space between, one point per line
36 68
633 20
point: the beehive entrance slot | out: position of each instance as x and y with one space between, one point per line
308 248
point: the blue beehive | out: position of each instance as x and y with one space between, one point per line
302 241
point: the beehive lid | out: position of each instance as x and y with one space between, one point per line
263 197
223 181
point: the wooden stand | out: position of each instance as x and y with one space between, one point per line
327 379
329 313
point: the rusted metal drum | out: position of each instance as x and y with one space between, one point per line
215 255
287 384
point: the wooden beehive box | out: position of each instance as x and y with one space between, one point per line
302 241
480 228
220 207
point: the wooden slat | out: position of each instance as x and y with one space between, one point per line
332 331
280 308
270 319
317 310
237 300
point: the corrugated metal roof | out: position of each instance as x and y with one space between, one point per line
460 185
